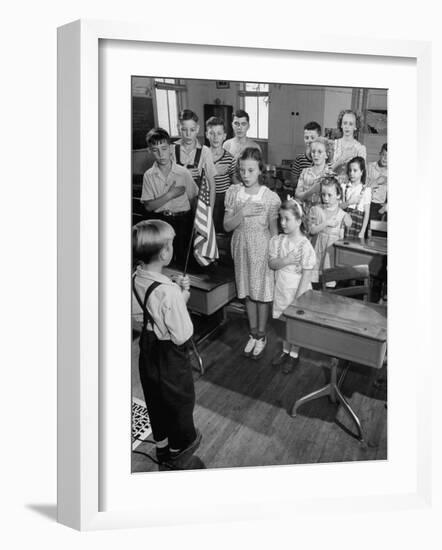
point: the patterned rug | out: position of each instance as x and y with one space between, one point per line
140 422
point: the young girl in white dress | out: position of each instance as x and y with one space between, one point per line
292 258
326 224
251 212
346 147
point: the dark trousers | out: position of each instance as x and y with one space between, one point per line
374 212
182 226
167 382
218 212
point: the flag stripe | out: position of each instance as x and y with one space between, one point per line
205 248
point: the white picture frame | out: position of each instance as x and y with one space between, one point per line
82 296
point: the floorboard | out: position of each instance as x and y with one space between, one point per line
242 408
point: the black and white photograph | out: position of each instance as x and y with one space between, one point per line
259 274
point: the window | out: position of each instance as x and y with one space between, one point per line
167 95
255 100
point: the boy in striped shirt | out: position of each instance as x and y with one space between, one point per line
224 164
312 130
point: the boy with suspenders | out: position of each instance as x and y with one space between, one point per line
188 152
164 362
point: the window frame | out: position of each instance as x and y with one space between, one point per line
243 93
179 88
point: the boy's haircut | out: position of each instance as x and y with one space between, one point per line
149 238
348 112
329 181
254 154
187 114
215 121
157 135
361 162
384 148
312 126
240 113
293 206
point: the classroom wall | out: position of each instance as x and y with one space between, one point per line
200 92
335 100
291 106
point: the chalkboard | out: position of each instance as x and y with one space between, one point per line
142 120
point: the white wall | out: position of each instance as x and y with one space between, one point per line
335 100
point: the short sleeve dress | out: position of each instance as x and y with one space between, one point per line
306 180
344 152
250 243
287 278
323 241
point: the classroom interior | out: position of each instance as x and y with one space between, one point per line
249 412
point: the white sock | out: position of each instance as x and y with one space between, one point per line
294 351
286 347
162 444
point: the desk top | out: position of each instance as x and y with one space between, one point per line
341 313
205 281
375 245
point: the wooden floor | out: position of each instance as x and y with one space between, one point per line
242 408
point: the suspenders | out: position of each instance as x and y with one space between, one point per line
195 161
146 315
193 168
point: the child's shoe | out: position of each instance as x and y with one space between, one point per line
162 454
280 358
182 454
249 346
259 348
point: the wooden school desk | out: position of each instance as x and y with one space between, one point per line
372 252
209 292
342 328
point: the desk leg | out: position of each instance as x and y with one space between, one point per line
333 391
326 390
198 356
350 412
205 337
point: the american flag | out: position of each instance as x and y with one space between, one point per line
204 246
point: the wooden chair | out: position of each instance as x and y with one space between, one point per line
378 228
357 277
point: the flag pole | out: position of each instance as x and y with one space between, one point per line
188 248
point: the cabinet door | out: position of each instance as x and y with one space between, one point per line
291 107
307 105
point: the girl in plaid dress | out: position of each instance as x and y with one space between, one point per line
252 214
357 199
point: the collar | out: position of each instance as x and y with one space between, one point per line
197 146
258 196
173 168
223 154
153 276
